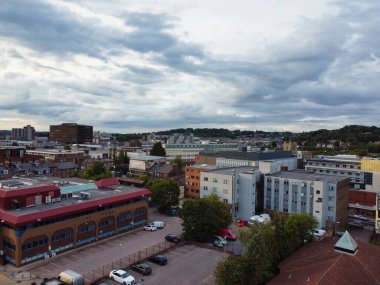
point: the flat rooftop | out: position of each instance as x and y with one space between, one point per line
53 151
95 195
24 182
309 176
234 170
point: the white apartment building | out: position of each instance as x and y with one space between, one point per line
325 197
235 187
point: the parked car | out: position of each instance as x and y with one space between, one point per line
227 233
151 228
158 259
122 276
218 243
158 224
142 268
221 239
319 233
241 223
172 238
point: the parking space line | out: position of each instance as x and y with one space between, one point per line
44 269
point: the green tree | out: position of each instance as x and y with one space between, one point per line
304 223
144 178
158 150
96 172
178 160
203 217
233 270
262 252
165 193
121 158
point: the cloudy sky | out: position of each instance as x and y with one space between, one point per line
135 66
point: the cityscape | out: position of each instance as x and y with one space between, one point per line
178 142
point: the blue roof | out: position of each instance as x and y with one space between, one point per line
78 188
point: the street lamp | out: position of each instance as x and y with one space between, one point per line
120 254
225 246
336 223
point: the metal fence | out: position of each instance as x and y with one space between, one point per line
126 261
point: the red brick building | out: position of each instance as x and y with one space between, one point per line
42 220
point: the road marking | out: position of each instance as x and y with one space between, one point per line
44 269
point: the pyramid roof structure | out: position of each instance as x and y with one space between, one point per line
346 244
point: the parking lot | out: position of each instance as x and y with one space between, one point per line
187 264
96 256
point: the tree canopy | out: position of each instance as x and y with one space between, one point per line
96 172
203 217
265 246
158 150
165 193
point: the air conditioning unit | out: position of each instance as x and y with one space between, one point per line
85 195
58 199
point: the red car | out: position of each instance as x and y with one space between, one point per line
241 223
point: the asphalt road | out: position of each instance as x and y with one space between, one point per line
97 255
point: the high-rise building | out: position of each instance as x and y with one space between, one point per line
69 133
26 133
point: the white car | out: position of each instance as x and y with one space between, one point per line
122 277
150 228
319 233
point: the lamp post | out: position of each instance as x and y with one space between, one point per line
336 223
224 247
120 254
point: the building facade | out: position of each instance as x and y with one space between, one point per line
193 179
27 133
42 220
235 186
189 152
70 133
325 197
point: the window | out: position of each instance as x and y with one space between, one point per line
61 236
33 244
205 178
205 188
125 216
106 222
214 189
225 201
225 181
319 200
330 208
318 192
215 180
225 191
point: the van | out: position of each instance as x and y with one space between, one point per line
227 233
263 218
158 224
71 277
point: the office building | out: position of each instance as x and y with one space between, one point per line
40 219
189 152
70 133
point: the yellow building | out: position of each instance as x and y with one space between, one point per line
370 165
